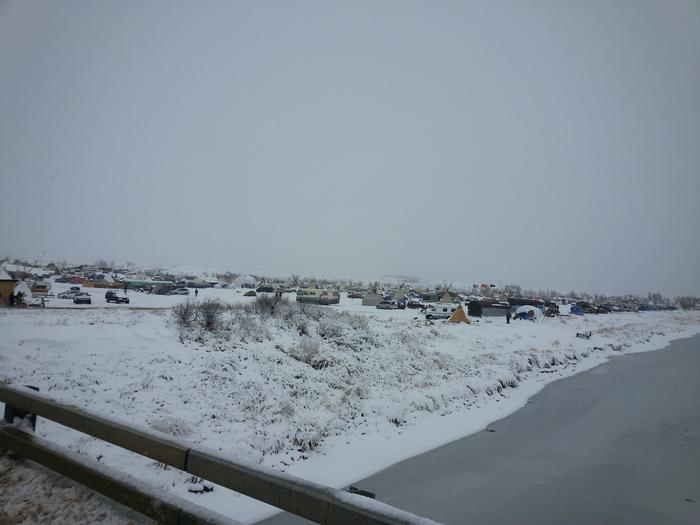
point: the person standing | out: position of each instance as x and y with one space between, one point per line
196 292
508 316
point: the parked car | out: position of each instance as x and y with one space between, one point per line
113 296
68 294
388 305
180 291
82 298
416 304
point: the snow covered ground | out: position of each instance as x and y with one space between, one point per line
33 495
331 394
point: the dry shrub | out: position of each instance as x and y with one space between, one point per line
210 311
306 350
265 304
247 326
184 313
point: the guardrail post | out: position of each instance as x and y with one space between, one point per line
12 412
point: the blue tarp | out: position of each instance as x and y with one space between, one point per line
576 310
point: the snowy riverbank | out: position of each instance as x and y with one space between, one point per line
329 394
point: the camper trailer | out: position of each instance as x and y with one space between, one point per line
318 296
441 311
41 289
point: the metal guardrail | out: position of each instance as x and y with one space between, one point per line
309 500
151 502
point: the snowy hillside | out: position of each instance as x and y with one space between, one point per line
323 393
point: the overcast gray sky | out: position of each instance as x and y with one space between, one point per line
546 143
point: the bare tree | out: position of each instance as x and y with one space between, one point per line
687 302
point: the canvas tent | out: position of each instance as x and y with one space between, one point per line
458 316
446 298
23 287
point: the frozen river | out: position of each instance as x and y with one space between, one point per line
617 444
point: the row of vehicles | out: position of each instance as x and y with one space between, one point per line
438 311
79 297
414 303
76 295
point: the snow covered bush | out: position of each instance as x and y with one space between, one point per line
247 327
287 310
286 409
265 304
308 438
331 327
184 313
171 424
306 350
210 311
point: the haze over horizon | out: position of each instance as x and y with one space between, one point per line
550 145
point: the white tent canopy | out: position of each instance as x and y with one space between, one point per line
244 280
23 287
527 308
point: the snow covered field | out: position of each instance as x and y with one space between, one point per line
332 394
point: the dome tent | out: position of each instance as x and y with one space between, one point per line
244 281
528 312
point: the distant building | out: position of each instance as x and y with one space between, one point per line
7 286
